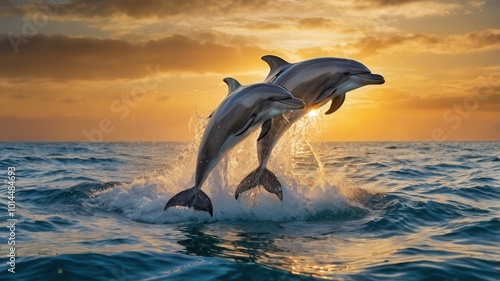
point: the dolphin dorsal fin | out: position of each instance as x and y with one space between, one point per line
232 84
274 62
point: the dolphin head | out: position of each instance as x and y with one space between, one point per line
243 110
320 80
355 75
330 78
269 100
247 107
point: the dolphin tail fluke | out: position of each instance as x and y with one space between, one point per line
191 198
267 179
271 183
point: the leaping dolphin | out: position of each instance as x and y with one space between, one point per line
316 82
243 110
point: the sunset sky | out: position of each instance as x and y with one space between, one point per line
145 70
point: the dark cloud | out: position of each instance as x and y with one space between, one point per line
388 2
491 103
316 22
371 45
62 57
133 8
472 41
7 8
264 24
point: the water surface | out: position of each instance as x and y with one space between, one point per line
351 211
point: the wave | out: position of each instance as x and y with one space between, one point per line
465 233
308 195
437 217
144 265
421 268
144 199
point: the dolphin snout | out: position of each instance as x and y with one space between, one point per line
371 78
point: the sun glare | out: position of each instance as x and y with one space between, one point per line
313 113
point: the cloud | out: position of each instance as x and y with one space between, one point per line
62 128
490 102
244 9
476 3
7 8
412 8
481 94
384 3
130 8
470 42
62 57
390 45
316 22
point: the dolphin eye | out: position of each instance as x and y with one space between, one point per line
347 73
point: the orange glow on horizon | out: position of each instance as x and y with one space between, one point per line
143 74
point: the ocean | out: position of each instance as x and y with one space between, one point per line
351 211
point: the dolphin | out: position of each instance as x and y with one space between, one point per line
243 110
317 82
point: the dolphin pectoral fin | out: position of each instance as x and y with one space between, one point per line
325 95
247 183
271 183
246 125
196 199
267 179
336 104
266 127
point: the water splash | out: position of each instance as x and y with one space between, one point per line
307 191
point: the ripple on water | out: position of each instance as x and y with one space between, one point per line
144 265
466 233
450 269
412 214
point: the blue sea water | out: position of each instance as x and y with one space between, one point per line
351 211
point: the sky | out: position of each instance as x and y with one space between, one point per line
149 70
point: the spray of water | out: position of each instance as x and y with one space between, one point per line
307 193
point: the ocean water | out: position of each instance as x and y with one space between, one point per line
351 211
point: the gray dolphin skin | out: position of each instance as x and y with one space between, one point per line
317 82
243 110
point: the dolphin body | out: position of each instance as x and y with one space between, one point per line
243 110
316 82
